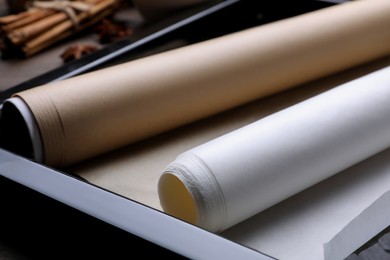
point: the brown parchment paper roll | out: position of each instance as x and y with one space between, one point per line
88 115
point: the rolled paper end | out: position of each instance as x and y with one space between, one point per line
20 133
188 190
176 199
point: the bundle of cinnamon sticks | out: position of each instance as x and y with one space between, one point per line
47 22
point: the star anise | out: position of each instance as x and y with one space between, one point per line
77 51
110 31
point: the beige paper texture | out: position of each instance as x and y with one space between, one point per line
91 114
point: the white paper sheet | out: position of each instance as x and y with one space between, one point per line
298 227
374 219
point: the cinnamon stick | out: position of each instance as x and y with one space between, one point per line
13 17
65 29
58 33
28 18
25 33
36 29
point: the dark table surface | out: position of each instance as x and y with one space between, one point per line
7 251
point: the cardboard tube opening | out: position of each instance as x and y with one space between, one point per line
20 133
175 198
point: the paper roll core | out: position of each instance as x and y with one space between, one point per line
176 199
21 130
183 175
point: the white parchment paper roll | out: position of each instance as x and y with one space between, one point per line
229 179
91 114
